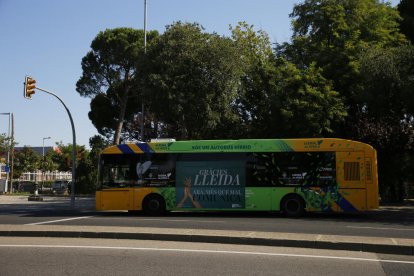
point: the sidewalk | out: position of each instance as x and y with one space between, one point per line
352 243
335 242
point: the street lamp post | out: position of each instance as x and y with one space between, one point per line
43 147
43 161
145 51
72 194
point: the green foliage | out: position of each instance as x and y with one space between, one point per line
388 80
276 98
97 144
109 72
25 160
86 163
308 103
406 9
103 114
253 47
87 167
47 163
334 33
280 100
4 145
190 79
63 156
86 175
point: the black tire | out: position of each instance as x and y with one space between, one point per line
293 206
154 205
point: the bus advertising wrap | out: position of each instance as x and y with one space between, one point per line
210 184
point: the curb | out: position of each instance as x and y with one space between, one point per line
351 243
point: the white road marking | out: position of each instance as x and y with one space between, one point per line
185 220
59 220
206 251
170 220
380 228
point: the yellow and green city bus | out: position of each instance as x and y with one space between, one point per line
288 175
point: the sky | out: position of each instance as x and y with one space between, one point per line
47 40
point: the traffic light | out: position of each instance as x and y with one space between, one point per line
29 87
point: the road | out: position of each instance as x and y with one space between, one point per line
54 256
389 222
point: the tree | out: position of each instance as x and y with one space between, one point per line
26 160
63 156
284 101
4 146
333 34
86 169
388 80
388 76
86 173
190 78
277 99
47 163
344 39
108 78
406 10
254 47
97 144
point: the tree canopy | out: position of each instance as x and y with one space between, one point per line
278 99
334 33
26 160
406 10
109 78
190 78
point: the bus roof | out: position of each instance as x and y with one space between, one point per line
243 145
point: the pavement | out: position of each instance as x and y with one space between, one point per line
332 242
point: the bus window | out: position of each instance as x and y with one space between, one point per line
291 169
116 171
156 170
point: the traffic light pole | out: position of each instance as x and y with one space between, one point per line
72 193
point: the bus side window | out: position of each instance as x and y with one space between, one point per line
156 170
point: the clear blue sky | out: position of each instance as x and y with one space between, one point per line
48 38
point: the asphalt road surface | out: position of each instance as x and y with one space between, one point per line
390 222
53 256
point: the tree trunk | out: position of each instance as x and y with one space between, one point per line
120 123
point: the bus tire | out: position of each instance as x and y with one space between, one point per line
154 205
293 206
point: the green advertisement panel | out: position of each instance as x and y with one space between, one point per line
210 184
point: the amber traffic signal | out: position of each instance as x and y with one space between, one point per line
29 87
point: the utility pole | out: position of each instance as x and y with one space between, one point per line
43 160
12 154
145 26
145 51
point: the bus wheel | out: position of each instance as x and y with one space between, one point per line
154 205
293 206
